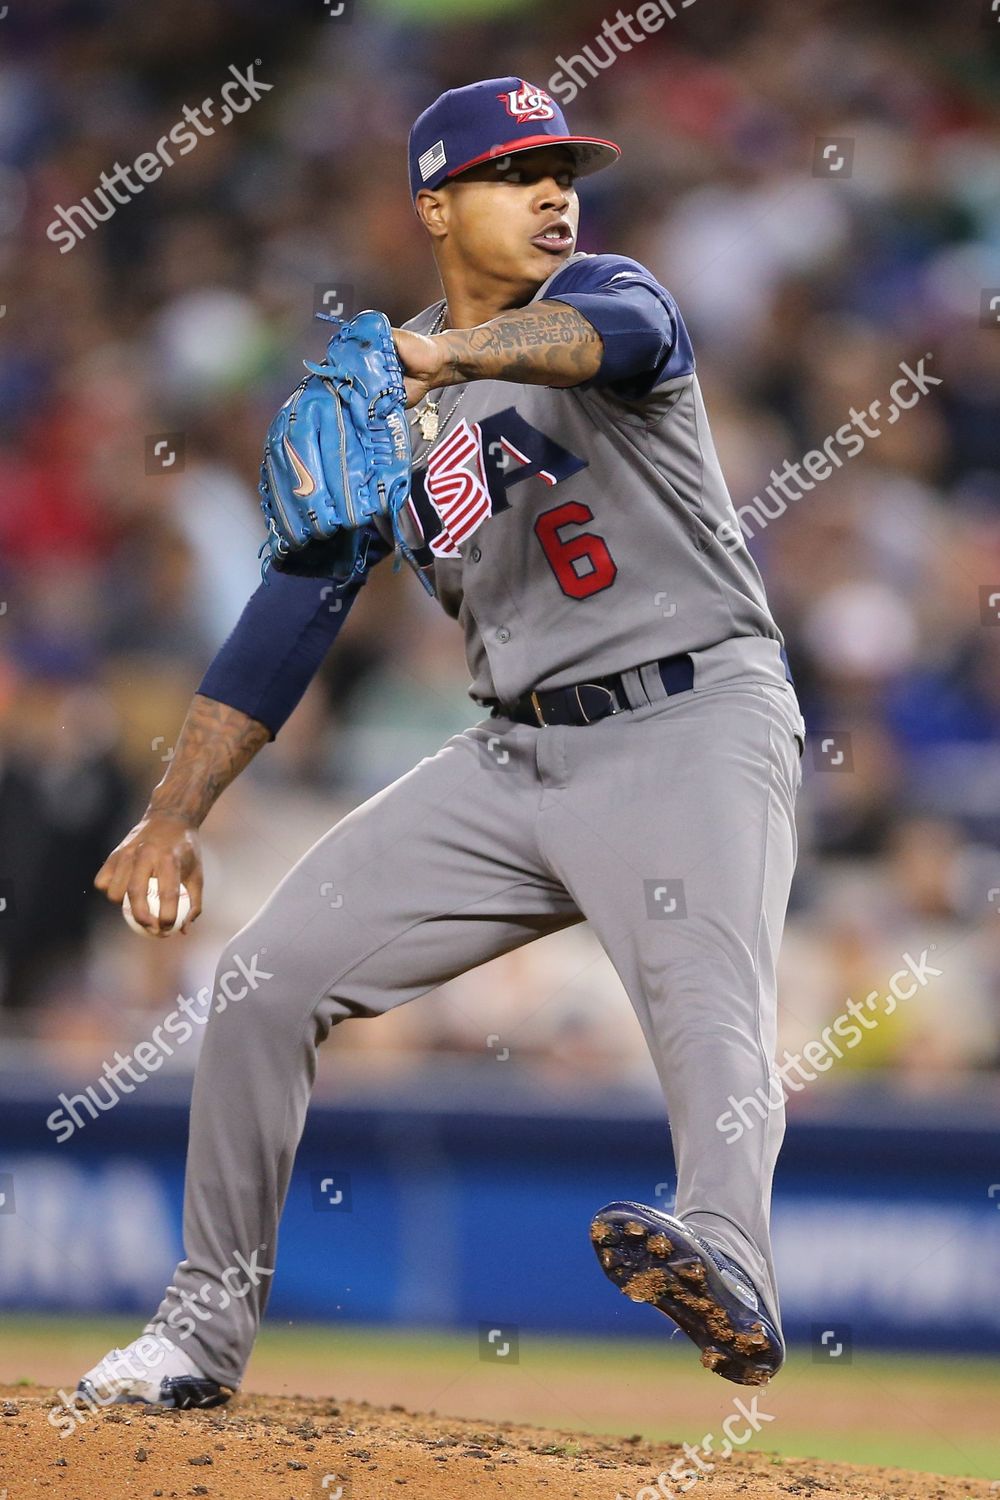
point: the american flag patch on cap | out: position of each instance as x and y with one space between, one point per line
432 160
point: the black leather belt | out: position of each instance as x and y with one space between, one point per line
589 702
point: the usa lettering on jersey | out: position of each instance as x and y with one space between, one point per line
455 482
469 475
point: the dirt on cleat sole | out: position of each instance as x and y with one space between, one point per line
662 1264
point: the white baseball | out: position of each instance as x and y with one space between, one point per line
153 897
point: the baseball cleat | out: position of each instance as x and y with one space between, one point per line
654 1258
154 1371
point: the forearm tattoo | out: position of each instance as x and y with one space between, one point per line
216 743
548 343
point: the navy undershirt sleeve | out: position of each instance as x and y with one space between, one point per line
645 340
276 647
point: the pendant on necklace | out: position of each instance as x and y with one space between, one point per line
429 422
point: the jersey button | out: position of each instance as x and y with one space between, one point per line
503 635
476 554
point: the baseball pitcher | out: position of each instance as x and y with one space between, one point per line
535 447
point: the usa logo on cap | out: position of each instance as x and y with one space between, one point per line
528 103
495 117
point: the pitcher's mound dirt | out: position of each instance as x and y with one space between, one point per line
264 1448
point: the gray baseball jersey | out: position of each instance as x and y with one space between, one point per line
575 533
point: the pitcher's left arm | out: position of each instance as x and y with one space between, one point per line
604 321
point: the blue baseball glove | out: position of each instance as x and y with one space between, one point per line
337 457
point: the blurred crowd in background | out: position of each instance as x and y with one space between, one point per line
182 320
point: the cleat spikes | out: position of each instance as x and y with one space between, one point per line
646 1286
654 1258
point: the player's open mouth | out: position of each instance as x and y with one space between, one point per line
556 238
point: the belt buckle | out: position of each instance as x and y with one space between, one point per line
536 705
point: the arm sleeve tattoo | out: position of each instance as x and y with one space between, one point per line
546 343
216 743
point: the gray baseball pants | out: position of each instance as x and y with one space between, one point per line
669 828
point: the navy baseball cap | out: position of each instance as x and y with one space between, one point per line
497 117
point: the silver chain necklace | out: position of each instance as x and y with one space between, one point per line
428 415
